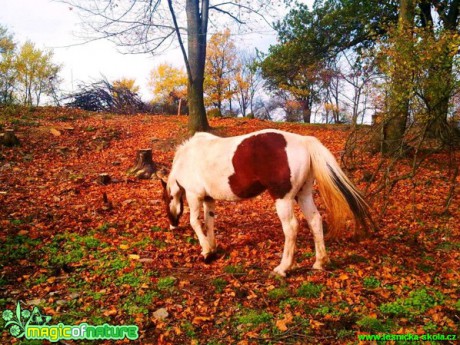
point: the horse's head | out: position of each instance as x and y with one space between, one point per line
172 198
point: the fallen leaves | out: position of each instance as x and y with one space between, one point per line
117 262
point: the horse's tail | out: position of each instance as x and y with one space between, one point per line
341 198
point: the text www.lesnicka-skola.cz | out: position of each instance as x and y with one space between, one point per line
407 337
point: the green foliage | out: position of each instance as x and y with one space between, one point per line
417 303
219 284
309 290
292 302
457 305
70 248
278 294
16 248
166 283
371 282
234 269
36 74
371 324
254 317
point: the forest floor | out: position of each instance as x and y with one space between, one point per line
79 259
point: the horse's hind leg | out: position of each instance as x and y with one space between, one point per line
285 210
314 219
195 207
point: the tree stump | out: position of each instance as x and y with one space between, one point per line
144 167
8 138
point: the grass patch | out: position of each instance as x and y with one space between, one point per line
234 269
291 302
16 248
417 303
278 294
133 278
254 317
219 284
373 325
309 290
166 283
371 282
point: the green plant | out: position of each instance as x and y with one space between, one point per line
292 302
166 283
345 333
234 269
219 284
457 305
254 317
278 294
371 324
131 278
309 290
417 303
371 282
189 330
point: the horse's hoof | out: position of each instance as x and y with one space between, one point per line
210 257
318 265
278 272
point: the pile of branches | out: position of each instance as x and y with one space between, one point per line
102 96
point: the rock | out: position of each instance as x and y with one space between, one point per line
161 314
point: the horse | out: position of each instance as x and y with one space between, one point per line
207 168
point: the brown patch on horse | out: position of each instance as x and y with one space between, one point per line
260 164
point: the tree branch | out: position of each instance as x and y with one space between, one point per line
179 38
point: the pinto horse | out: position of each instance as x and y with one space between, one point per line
208 168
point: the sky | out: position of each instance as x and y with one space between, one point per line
54 25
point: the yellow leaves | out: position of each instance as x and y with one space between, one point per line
110 312
282 324
55 132
220 68
124 246
168 81
200 319
126 83
344 276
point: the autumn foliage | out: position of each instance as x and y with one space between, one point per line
86 252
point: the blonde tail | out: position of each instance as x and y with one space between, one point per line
342 200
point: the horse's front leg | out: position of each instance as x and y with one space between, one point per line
195 204
285 210
209 206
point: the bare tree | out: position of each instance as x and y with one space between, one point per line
248 81
152 26
359 75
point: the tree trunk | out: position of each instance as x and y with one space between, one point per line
306 111
395 120
144 167
179 106
440 84
197 31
